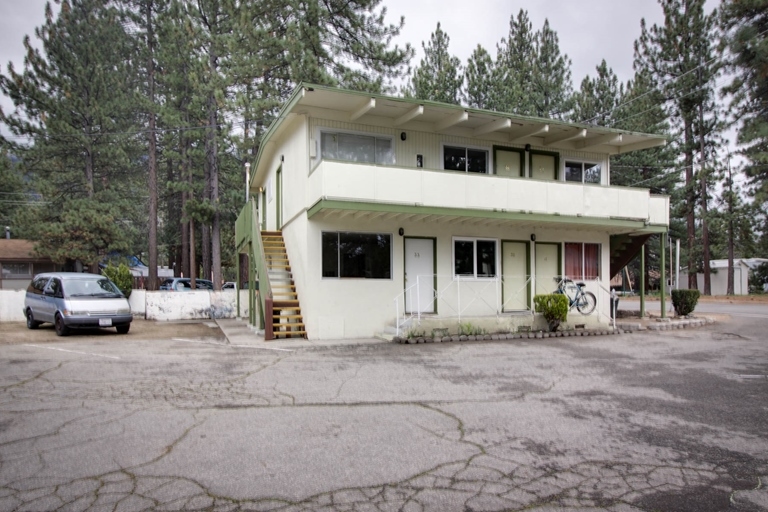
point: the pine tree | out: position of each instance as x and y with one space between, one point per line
13 198
551 87
597 99
746 27
479 75
75 104
679 55
515 67
438 76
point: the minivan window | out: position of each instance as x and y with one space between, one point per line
55 288
38 285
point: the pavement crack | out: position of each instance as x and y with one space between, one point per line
32 379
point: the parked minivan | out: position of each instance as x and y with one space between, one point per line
75 300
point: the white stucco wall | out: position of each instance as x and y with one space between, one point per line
347 308
158 305
12 305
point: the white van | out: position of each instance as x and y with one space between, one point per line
74 300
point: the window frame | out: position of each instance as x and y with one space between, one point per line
583 264
488 162
339 277
583 163
329 130
474 276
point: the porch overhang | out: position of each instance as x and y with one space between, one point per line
330 208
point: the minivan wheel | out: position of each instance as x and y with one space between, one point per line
61 329
123 329
31 322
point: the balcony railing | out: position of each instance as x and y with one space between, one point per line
445 189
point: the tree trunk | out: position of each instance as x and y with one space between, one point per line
704 208
152 160
690 203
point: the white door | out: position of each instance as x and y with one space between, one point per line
514 267
419 275
547 267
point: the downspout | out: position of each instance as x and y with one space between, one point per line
642 281
663 282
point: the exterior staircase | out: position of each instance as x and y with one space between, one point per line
287 321
623 249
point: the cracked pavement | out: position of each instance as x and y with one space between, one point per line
637 422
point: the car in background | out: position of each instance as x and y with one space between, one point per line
184 284
71 300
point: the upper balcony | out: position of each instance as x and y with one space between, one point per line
337 185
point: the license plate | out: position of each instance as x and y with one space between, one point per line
105 322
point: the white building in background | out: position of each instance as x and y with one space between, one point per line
368 211
719 275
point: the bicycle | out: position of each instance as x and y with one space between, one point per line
579 298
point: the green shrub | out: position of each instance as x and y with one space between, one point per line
121 276
685 301
554 308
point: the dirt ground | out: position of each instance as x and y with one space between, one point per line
17 332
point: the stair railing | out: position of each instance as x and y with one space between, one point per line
260 260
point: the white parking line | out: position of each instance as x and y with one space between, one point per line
72 351
228 345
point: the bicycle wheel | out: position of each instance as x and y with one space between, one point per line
587 303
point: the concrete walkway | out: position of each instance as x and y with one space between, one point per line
239 333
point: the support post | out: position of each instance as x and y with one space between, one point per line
268 332
642 281
663 269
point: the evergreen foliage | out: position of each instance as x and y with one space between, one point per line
679 56
551 87
121 276
512 76
438 77
480 80
746 37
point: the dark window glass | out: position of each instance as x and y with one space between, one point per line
56 288
477 161
360 255
464 257
591 173
330 255
455 159
351 147
486 258
573 171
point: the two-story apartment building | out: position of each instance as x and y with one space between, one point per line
370 212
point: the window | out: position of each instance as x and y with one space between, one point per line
462 159
351 147
582 172
16 270
474 257
361 255
582 261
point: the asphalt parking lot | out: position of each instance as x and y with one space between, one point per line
179 420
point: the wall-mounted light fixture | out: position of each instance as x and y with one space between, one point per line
401 231
403 136
527 147
533 238
419 160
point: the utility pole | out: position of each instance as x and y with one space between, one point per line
730 290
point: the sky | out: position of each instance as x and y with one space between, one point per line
589 30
